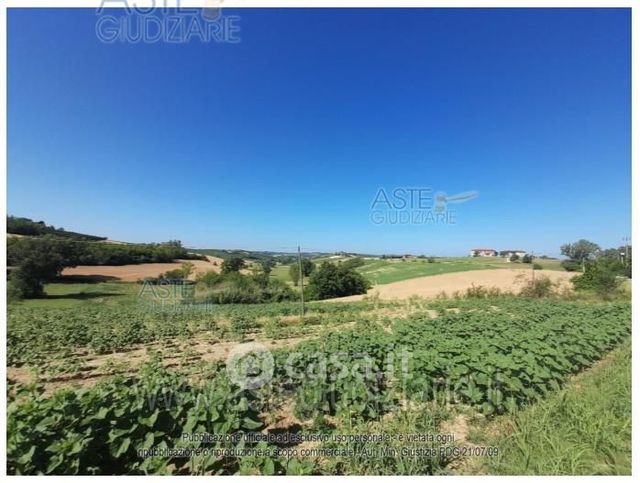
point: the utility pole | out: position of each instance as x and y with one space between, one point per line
533 268
301 276
626 240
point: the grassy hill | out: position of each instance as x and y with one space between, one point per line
381 271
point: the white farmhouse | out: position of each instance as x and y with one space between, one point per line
483 252
510 253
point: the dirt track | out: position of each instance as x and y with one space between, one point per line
431 286
133 273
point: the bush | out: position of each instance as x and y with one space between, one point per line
572 265
538 288
331 281
481 292
278 291
208 279
514 258
235 288
527 258
599 278
537 266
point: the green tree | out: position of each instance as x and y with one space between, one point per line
307 269
267 265
233 264
331 280
581 251
35 261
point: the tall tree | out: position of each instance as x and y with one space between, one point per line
581 251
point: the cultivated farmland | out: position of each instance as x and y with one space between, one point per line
81 382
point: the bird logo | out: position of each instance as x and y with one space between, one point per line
442 199
212 10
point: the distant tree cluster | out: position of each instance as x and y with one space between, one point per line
233 264
28 227
37 260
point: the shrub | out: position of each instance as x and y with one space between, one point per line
537 266
599 278
208 279
540 287
278 291
171 275
572 265
481 292
235 288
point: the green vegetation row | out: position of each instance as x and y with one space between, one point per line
492 355
585 429
493 360
36 335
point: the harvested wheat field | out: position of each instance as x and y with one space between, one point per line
133 273
429 287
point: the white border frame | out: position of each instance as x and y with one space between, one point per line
635 136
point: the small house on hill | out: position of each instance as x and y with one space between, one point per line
510 253
483 252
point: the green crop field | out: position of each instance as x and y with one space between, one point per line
584 429
92 389
71 295
386 271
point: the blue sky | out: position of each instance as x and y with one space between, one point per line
285 137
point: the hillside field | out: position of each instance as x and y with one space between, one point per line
382 271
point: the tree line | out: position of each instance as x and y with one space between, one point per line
34 261
28 227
